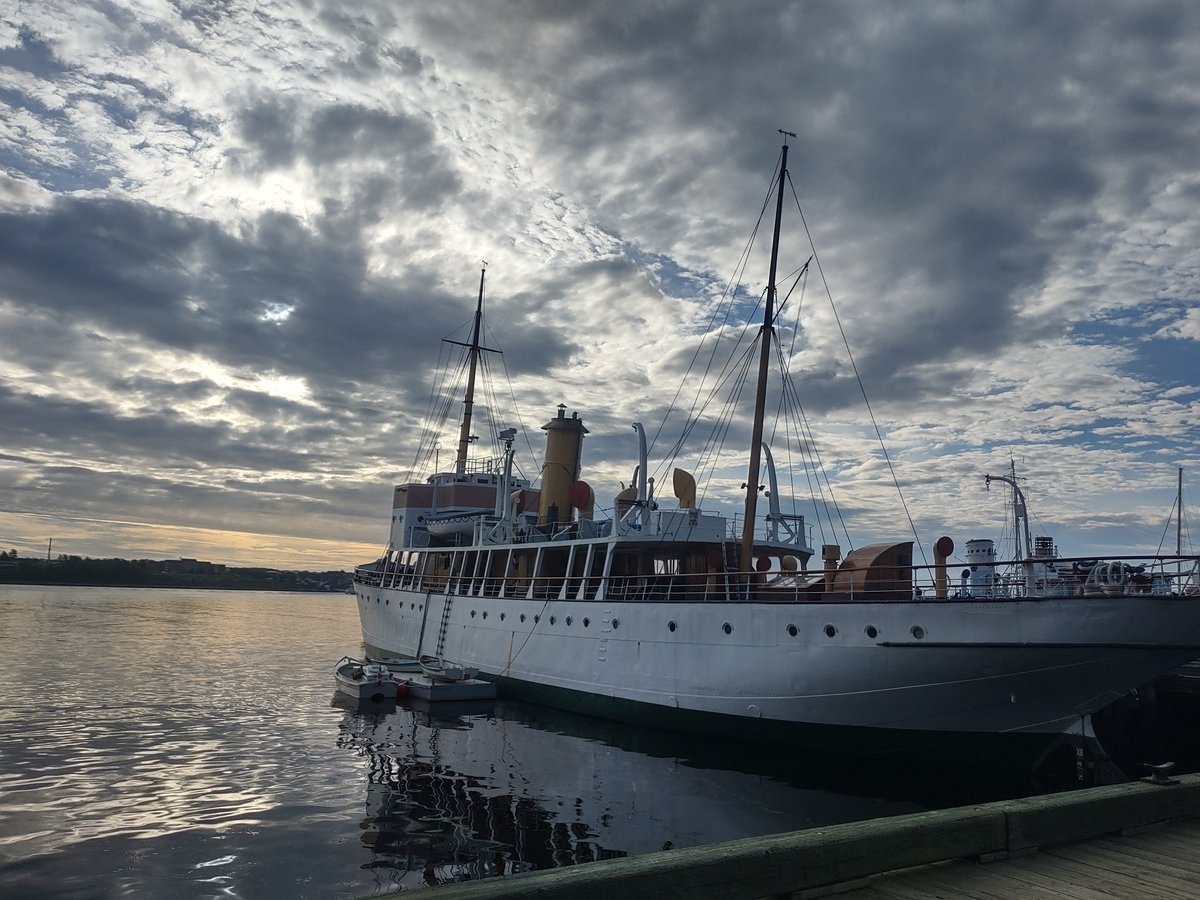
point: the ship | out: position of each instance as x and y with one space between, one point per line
674 616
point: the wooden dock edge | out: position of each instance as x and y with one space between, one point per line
804 862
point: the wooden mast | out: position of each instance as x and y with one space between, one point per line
464 434
767 337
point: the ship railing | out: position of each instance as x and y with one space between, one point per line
799 532
1046 578
1035 579
489 465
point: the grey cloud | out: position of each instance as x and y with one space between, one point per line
32 54
280 132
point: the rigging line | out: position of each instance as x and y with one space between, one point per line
726 303
520 420
435 387
429 438
738 374
726 372
785 367
1166 525
861 387
728 294
804 430
784 412
799 273
695 417
711 453
708 456
819 471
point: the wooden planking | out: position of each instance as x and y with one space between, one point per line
1158 864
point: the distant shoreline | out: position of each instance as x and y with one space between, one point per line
170 584
80 571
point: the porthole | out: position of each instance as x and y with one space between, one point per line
472 614
830 631
552 618
670 626
420 607
536 619
569 620
522 617
792 630
872 632
501 617
918 632
727 628
485 613
586 621
616 624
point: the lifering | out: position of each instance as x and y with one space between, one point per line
1113 573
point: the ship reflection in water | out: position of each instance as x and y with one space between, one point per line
464 791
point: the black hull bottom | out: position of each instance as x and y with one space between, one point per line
1072 758
1054 754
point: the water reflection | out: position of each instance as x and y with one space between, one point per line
459 792
182 744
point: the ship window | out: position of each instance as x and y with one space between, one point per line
872 632
501 616
586 621
616 624
536 619
793 630
552 620
522 617
670 626
918 632
727 628
485 613
472 614
830 631
569 621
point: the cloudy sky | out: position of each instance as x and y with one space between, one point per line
234 234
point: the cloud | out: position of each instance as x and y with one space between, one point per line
233 236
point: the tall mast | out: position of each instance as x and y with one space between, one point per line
464 434
766 336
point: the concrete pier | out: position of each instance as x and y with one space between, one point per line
848 857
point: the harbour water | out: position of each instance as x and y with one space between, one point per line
189 744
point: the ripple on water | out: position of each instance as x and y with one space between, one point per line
183 744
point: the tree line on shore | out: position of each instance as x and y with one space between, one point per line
84 570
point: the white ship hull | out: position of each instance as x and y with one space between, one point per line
969 666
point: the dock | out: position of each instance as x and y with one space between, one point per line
1163 861
1130 840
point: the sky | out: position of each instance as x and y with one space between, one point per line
233 236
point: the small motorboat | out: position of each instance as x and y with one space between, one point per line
440 670
364 680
